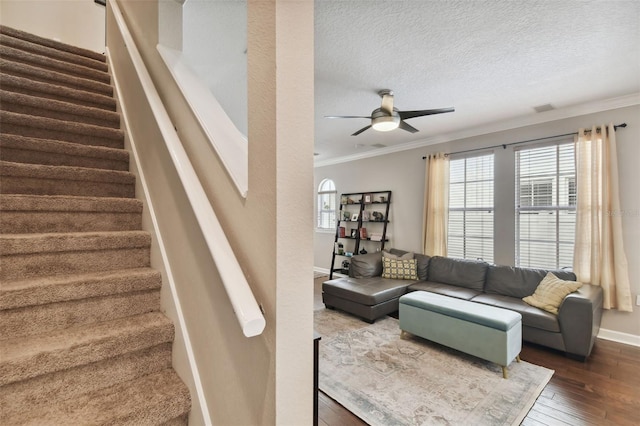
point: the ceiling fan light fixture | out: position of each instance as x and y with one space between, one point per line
385 123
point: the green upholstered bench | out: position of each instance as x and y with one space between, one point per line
490 333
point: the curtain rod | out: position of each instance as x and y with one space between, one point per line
505 145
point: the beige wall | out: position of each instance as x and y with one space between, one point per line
403 173
265 379
79 23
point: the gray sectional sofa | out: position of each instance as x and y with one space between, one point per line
367 295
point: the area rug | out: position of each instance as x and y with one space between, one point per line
386 379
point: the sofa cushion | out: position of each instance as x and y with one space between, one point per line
551 292
518 282
423 265
445 289
397 254
398 269
461 272
366 265
531 316
423 261
366 291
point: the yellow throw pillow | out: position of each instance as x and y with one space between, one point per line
551 292
398 269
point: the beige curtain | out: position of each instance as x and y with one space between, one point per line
436 205
599 256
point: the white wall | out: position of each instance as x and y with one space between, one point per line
403 173
80 23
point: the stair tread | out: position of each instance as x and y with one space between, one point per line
50 289
26 357
58 65
72 241
49 203
151 399
84 174
13 32
51 52
62 147
72 82
10 82
110 118
60 125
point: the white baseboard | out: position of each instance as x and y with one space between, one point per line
616 336
321 270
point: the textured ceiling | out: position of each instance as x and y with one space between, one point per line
494 61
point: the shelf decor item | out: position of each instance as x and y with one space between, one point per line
367 227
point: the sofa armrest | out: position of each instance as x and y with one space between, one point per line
579 317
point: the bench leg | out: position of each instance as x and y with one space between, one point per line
517 358
505 375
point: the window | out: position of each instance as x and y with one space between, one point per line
545 206
327 205
470 233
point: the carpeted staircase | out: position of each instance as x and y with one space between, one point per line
82 338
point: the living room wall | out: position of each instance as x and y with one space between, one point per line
403 173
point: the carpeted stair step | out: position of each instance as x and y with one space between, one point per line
22 149
52 53
41 319
18 397
50 128
26 358
24 256
71 69
157 398
50 108
52 77
43 290
35 179
51 43
27 86
23 214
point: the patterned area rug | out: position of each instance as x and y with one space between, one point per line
388 380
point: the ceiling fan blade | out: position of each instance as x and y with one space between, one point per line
412 114
361 130
347 116
387 103
406 126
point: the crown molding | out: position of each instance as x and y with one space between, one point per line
510 124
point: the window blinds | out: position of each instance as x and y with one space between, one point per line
471 208
545 206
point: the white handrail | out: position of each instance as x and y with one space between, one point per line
243 301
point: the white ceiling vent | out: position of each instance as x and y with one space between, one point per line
544 108
378 145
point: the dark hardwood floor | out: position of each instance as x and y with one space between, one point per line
604 390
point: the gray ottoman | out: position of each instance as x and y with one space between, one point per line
490 333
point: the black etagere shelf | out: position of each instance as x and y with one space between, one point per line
363 216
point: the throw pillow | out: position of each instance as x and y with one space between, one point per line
399 269
551 292
388 255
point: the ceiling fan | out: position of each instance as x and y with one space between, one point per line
388 118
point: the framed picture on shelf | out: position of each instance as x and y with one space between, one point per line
354 217
366 216
367 198
354 233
